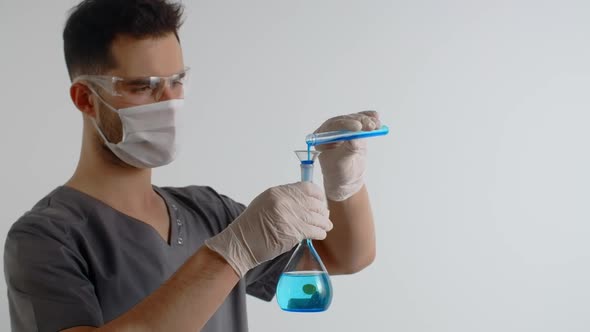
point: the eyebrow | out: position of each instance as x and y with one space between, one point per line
149 80
139 81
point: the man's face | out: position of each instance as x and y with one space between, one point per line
137 58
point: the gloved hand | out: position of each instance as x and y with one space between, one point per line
273 223
343 163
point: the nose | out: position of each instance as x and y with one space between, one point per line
166 93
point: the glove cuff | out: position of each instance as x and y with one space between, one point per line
233 250
338 192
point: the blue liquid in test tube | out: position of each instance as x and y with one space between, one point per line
341 135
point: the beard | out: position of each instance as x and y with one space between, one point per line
111 127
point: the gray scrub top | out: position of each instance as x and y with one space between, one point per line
74 261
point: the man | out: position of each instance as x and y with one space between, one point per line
109 251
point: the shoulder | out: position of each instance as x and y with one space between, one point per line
42 236
54 217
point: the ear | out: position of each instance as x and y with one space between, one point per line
82 98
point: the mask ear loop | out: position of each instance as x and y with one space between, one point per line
112 109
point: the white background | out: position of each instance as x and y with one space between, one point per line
479 191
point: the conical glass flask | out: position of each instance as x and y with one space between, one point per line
304 285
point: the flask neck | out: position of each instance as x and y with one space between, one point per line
307 172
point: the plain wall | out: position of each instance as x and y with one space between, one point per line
479 192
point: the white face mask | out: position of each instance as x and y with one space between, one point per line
149 133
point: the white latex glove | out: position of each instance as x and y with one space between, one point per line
343 164
275 221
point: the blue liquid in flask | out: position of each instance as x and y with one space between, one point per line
304 291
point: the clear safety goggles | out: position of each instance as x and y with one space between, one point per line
140 90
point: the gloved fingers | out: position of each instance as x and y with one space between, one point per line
342 122
309 199
319 220
375 116
318 207
316 233
315 210
354 122
366 120
310 190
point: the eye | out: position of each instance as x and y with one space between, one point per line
141 89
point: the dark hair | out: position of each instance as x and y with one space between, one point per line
94 24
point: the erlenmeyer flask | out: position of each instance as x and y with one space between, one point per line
304 285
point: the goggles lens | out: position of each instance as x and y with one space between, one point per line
141 90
